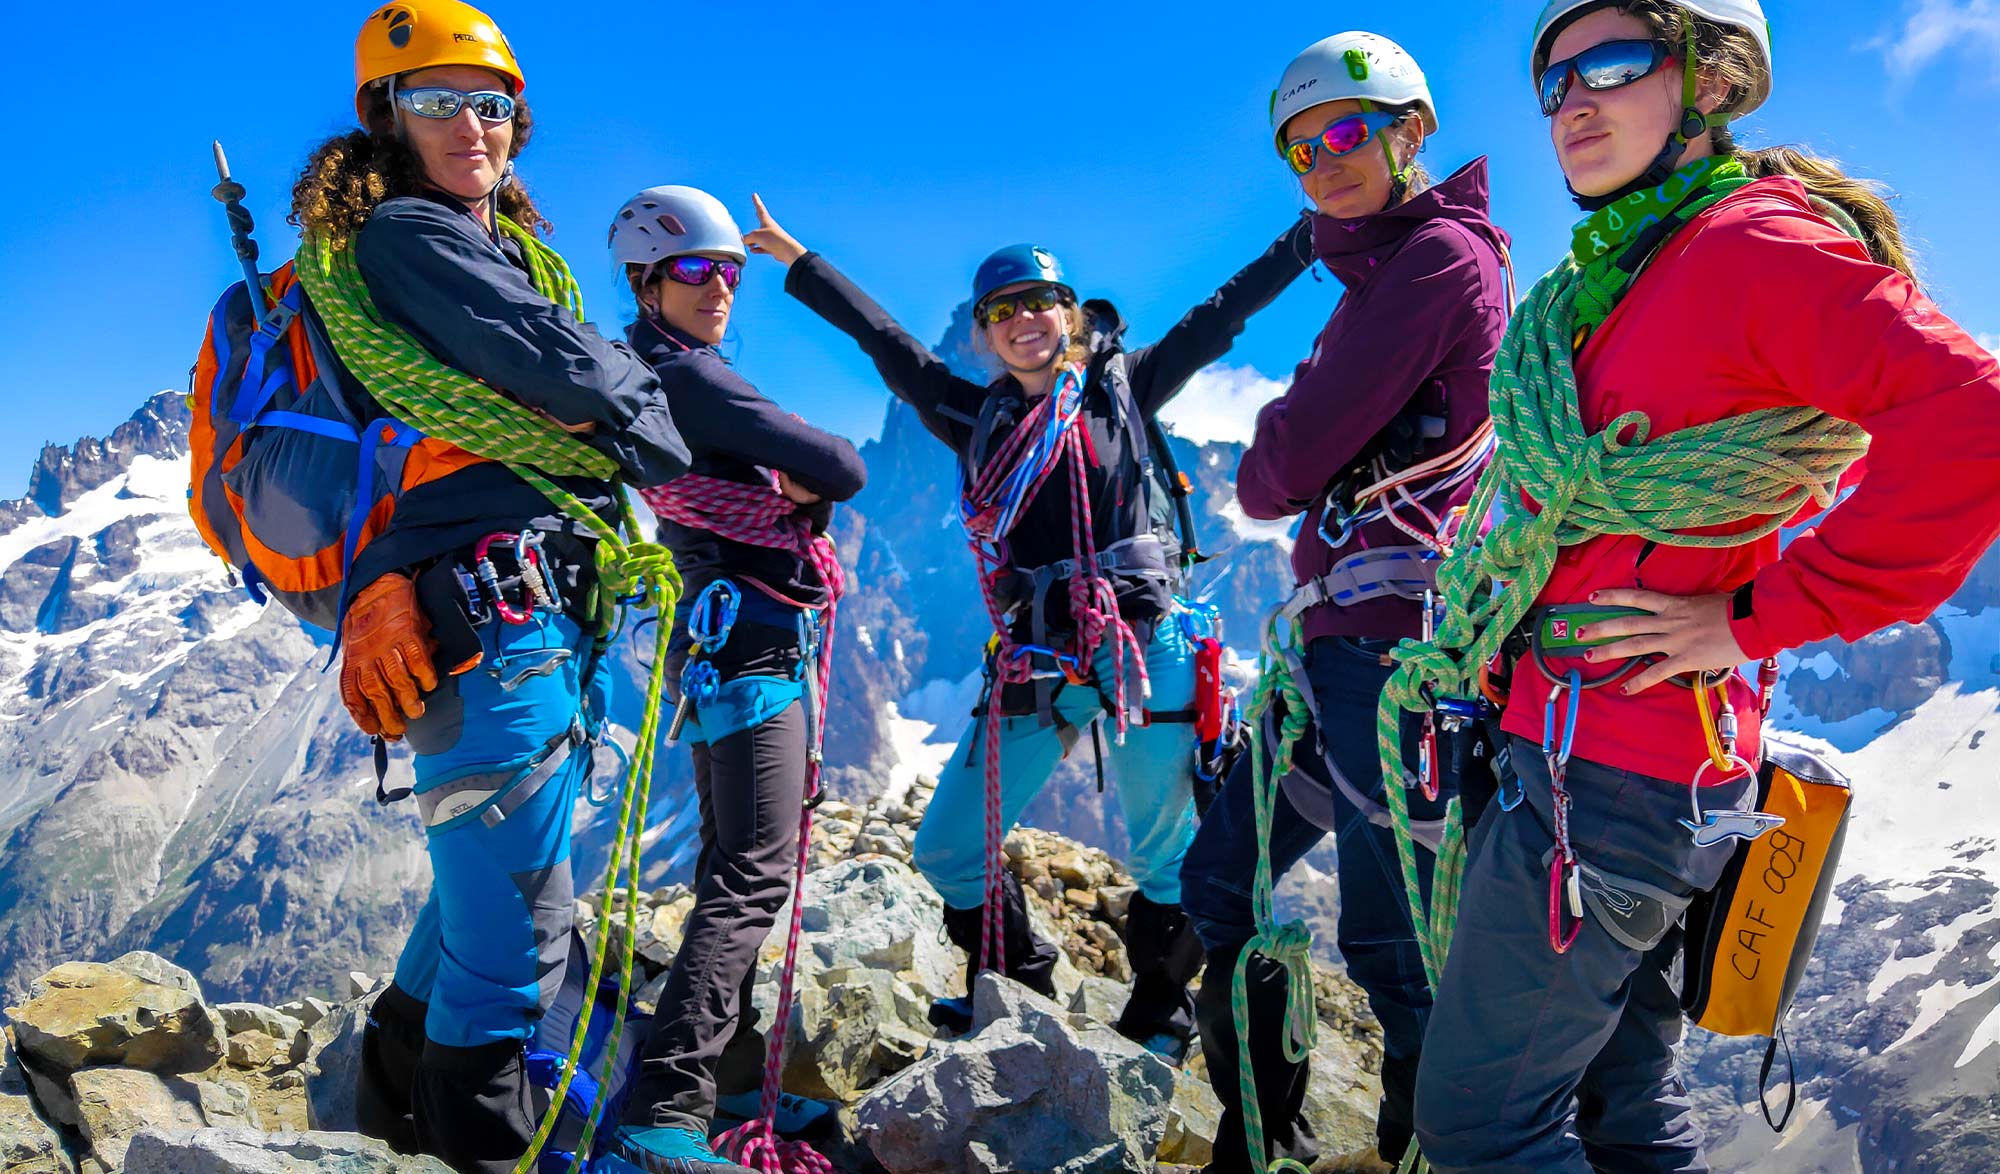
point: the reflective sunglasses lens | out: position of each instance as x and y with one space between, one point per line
491 106
689 270
1299 157
432 103
1619 63
1038 300
732 273
998 310
1346 136
1555 87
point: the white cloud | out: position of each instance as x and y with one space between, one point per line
1935 28
1220 403
1990 341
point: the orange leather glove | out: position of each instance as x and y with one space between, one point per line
387 657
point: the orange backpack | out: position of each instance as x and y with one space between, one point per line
288 485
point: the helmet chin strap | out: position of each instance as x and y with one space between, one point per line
1399 173
1693 124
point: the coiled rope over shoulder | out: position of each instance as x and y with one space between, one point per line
452 406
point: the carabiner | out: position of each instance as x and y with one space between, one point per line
714 615
1713 827
489 578
1564 890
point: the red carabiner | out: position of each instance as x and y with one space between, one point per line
489 578
1563 884
1427 759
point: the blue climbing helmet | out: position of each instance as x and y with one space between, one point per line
1017 263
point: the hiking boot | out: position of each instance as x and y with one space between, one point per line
654 1150
1165 956
797 1119
1281 1081
1030 961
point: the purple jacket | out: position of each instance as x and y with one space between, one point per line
1425 305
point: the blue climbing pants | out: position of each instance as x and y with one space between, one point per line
498 769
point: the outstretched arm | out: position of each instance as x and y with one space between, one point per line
913 374
1206 332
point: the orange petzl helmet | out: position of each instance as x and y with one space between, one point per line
406 35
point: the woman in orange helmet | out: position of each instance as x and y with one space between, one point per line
472 617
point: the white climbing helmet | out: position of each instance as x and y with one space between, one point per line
1747 15
673 221
1351 66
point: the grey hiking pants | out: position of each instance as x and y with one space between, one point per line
1543 1063
750 785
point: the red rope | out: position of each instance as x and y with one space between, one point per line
759 515
1093 601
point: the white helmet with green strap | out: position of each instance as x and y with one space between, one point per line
1351 66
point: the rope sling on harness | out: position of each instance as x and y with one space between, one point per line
760 515
990 505
453 406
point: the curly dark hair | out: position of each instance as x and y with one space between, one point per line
349 174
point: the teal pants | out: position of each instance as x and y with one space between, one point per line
1153 771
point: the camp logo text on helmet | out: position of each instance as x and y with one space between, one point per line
409 35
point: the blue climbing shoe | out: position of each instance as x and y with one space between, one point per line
1167 1046
797 1119
652 1150
953 1014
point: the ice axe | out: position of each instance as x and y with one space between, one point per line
230 193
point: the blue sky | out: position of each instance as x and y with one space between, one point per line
903 140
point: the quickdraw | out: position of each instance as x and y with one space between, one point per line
1565 885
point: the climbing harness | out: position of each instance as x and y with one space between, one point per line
452 406
991 501
760 515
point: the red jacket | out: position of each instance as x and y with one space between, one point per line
1761 303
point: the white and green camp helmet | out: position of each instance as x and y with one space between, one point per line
1347 66
1747 15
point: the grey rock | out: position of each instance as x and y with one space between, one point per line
29 1144
1034 1090
240 1151
53 1095
254 1049
1103 999
861 1027
331 1063
115 1104
1192 1118
257 1017
138 1011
